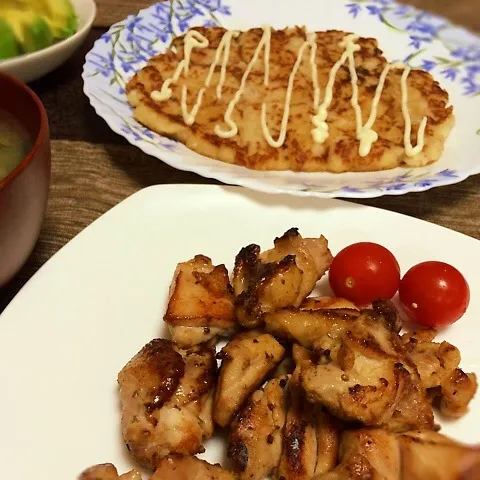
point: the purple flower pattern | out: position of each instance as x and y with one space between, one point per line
463 62
142 39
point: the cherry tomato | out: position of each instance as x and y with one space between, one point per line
363 272
434 294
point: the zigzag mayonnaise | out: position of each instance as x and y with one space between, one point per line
364 132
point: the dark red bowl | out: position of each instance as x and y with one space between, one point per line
24 192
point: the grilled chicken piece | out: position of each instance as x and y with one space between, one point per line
388 314
328 442
166 397
367 455
360 373
327 303
437 365
246 360
299 456
319 316
178 467
434 361
306 326
201 303
430 455
457 392
279 277
413 409
107 471
376 454
256 435
312 257
327 427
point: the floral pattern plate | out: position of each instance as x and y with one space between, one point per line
450 53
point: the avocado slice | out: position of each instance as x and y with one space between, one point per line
60 15
8 43
31 31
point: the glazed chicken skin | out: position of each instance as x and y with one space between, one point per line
166 396
359 371
310 436
299 456
306 326
187 467
200 305
279 432
107 471
282 276
255 441
246 361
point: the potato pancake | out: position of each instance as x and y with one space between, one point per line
241 73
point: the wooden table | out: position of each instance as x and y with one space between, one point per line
93 168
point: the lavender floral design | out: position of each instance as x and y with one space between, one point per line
136 39
463 61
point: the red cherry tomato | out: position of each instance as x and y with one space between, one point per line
434 294
363 272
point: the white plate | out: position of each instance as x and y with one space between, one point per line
32 66
69 331
404 33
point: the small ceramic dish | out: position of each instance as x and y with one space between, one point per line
23 192
34 65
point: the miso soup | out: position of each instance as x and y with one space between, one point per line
15 143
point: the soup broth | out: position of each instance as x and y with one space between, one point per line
15 143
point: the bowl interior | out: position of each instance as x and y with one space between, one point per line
86 11
20 101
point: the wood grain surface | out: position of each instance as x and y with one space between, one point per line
93 168
463 12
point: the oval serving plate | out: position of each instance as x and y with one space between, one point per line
404 33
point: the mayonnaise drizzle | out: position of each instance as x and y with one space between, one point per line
312 43
223 47
193 39
320 132
366 135
409 150
263 44
364 132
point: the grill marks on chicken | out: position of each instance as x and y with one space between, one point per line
282 276
256 435
279 432
246 361
166 396
299 457
200 306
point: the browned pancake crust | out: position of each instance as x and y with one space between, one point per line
249 148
